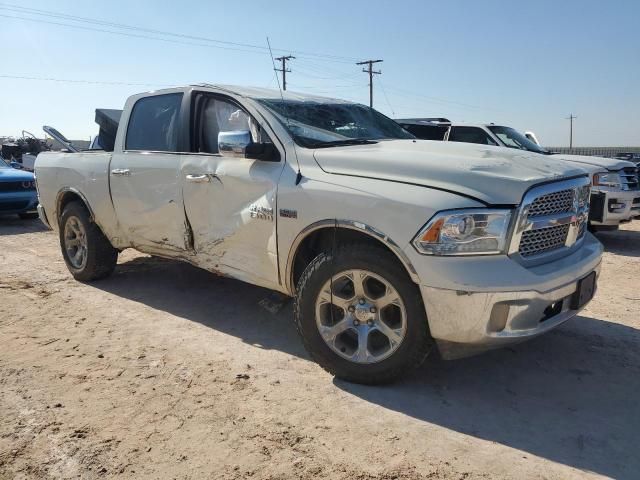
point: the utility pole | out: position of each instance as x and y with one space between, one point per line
571 118
371 73
284 69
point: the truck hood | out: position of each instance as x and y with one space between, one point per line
8 174
605 163
493 175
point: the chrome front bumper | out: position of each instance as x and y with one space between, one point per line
613 208
466 322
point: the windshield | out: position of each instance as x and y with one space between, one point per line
317 125
513 139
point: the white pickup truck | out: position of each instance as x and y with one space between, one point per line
390 245
615 196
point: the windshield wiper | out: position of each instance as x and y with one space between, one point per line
346 141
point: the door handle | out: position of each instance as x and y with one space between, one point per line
204 178
121 172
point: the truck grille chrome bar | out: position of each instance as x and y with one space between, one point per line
551 221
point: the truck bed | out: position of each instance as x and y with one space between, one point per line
86 172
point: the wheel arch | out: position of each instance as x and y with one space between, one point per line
70 194
319 231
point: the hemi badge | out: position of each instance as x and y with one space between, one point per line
286 213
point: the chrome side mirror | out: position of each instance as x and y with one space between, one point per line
234 143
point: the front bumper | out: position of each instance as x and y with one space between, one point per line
18 202
511 308
613 208
43 216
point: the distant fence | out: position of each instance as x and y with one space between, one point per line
594 151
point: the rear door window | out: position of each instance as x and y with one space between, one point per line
153 124
470 135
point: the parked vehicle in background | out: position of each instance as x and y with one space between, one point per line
387 243
615 194
630 157
17 192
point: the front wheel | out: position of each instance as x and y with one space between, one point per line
360 316
86 251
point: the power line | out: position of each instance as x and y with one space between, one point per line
214 42
125 34
312 74
443 101
371 73
88 82
325 69
284 69
384 92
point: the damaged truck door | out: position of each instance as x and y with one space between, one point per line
143 175
229 194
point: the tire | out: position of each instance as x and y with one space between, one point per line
375 265
28 215
98 259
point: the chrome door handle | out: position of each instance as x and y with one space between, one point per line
121 172
204 178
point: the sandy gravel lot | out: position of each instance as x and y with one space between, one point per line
166 371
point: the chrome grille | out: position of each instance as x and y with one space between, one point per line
552 203
534 242
629 179
552 219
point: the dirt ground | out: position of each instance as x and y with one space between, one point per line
167 371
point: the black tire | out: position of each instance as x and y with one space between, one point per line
101 257
28 215
417 342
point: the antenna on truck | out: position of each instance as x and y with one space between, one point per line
286 117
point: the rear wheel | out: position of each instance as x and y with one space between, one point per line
360 315
86 251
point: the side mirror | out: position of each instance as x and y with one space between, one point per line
234 143
238 144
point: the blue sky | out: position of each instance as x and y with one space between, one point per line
524 64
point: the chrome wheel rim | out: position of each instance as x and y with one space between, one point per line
75 242
360 316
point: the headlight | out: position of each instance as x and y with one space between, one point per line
606 179
465 232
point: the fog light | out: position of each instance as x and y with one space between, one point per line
499 317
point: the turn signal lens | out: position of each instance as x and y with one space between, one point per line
608 179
